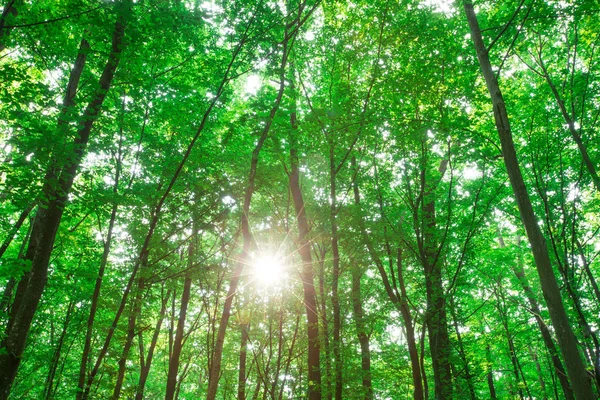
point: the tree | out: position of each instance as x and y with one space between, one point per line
298 199
574 365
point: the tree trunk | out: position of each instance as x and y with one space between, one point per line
48 389
48 216
422 360
241 394
335 301
185 299
588 272
571 284
361 331
7 294
131 327
410 331
566 339
326 378
538 369
145 367
461 351
306 275
546 336
490 374
289 356
98 286
439 340
509 339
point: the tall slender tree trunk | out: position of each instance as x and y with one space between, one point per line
591 339
7 294
566 339
290 354
49 386
546 336
509 340
335 301
588 272
538 369
307 274
278 364
361 332
326 377
98 286
490 373
131 333
142 259
410 331
147 363
178 342
48 216
437 325
241 394
461 351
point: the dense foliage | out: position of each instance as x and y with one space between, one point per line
299 199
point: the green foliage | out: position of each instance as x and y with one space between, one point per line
394 85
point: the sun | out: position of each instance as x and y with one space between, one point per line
267 269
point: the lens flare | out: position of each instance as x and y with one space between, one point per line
268 269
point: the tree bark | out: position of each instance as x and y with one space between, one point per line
241 394
335 301
538 369
490 374
588 272
131 331
326 377
145 367
48 389
500 305
307 274
437 325
567 342
185 299
7 294
461 351
178 342
363 336
546 336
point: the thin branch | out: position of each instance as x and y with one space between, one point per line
49 21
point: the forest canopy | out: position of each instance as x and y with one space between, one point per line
291 199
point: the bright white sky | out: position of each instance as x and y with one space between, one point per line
443 6
253 83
